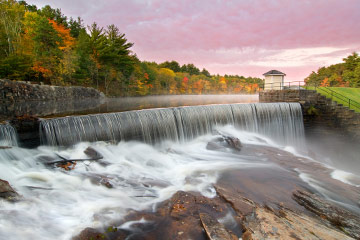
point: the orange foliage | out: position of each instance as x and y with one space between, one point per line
146 76
325 83
64 33
222 80
40 69
198 86
67 165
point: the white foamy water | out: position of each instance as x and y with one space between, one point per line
346 177
59 204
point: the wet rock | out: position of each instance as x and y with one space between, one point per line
7 192
4 147
338 217
240 204
233 142
27 128
176 218
214 229
90 233
99 179
224 142
92 153
265 224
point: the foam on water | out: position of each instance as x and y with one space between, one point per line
346 177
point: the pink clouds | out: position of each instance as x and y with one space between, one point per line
245 37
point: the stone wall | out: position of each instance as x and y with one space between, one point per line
14 91
318 110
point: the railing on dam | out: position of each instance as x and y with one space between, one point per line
326 91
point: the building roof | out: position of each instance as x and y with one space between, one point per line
274 72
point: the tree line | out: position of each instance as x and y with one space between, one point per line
44 45
345 74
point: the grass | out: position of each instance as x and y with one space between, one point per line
342 94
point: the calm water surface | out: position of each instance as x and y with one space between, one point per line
87 106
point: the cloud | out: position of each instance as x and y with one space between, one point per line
223 35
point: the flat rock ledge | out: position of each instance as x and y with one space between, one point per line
191 216
338 217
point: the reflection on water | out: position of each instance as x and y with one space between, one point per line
86 106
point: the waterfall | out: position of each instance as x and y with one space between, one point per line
280 121
8 136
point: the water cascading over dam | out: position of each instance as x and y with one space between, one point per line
281 122
8 136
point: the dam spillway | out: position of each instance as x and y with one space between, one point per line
8 135
280 121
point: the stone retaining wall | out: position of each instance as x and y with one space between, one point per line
318 110
13 91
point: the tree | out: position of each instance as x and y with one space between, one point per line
30 8
84 62
76 26
43 41
114 55
173 65
166 80
96 44
11 16
205 72
54 14
190 68
352 61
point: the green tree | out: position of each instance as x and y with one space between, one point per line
11 16
205 72
190 68
54 14
173 65
352 61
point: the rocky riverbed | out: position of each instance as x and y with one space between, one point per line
275 194
250 204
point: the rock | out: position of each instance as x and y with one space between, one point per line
90 233
214 229
224 142
265 224
340 218
233 142
92 153
27 128
4 147
240 204
7 192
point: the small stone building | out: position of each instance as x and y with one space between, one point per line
274 80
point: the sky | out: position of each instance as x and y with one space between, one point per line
244 37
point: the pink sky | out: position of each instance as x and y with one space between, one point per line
245 37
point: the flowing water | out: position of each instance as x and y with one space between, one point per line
8 135
280 121
148 156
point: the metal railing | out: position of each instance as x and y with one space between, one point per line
282 86
327 92
339 97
